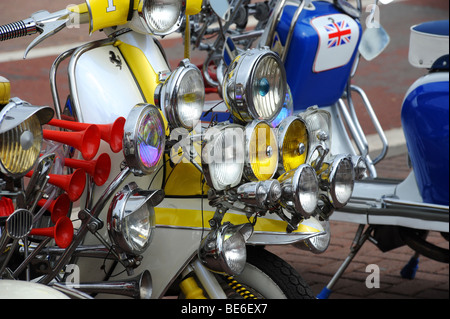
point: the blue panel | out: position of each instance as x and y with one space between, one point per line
309 88
425 120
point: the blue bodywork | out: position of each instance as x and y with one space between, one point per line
425 120
309 87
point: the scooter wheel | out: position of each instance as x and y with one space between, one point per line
415 240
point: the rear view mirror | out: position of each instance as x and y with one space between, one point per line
374 39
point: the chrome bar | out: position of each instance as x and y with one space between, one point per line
359 143
375 122
53 88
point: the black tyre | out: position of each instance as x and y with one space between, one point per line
415 239
268 276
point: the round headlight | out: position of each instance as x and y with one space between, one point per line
224 251
338 180
182 96
223 156
254 86
131 218
293 142
261 160
21 136
144 139
319 125
300 190
161 17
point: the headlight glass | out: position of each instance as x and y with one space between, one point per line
293 142
223 156
183 96
343 182
268 87
255 86
338 180
286 110
131 218
224 251
261 151
144 139
162 16
20 147
300 190
319 125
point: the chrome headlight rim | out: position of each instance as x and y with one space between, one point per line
282 131
333 180
21 125
293 189
207 161
131 139
238 82
271 151
318 123
119 211
168 95
143 13
213 252
297 185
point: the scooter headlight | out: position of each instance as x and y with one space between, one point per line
319 125
21 136
131 218
300 189
293 142
254 86
223 156
182 96
338 180
223 250
144 139
261 160
161 17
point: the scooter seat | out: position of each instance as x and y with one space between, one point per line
439 28
429 41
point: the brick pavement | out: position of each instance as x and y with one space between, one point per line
432 277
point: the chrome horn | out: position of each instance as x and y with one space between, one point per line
139 287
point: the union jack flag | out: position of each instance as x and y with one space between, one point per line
339 33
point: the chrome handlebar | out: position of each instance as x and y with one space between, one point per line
18 29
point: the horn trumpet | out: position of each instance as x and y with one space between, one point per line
110 133
58 207
139 287
99 169
62 232
73 184
87 141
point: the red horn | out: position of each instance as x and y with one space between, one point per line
62 232
6 207
99 169
110 133
87 141
58 208
73 184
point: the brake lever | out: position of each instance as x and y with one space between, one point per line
47 24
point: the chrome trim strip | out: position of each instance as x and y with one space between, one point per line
53 87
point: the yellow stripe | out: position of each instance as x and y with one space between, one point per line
193 219
143 72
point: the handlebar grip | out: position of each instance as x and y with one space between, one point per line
18 29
